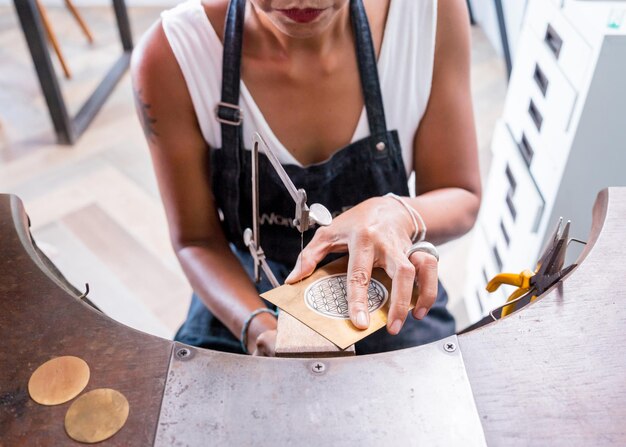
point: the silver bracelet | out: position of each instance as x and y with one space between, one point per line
420 230
246 326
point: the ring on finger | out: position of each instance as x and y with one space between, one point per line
425 247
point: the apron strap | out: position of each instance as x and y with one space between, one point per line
228 111
368 70
229 115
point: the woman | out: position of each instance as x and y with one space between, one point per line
397 71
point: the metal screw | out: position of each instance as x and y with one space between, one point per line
318 367
182 353
449 347
380 146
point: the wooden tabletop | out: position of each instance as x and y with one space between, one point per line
40 319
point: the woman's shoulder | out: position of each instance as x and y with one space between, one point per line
152 52
154 69
155 53
453 27
195 12
152 55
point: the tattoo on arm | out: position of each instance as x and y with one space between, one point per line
147 122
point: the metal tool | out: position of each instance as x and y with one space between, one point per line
304 219
548 272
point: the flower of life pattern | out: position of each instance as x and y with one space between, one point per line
328 296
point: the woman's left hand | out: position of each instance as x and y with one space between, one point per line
375 233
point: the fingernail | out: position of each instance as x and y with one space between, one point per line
395 327
361 319
290 277
421 313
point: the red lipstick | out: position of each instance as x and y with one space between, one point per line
302 15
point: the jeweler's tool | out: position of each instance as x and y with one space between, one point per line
548 272
304 219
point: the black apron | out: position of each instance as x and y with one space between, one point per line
369 167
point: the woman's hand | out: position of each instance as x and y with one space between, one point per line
375 233
266 344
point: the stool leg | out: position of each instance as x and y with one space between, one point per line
53 39
80 20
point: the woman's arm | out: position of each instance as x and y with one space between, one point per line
445 150
180 157
447 176
377 232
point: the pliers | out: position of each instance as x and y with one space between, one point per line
548 272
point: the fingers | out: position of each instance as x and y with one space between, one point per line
403 279
426 266
266 344
360 265
313 254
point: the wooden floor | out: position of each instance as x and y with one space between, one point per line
95 208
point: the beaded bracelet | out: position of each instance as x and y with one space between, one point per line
246 326
420 230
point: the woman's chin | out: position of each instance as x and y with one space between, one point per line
302 30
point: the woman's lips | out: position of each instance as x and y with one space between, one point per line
302 15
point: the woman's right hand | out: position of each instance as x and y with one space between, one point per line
179 155
265 345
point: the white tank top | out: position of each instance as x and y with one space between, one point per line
405 68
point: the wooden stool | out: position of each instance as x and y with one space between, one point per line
52 38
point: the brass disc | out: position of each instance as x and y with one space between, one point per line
58 380
96 415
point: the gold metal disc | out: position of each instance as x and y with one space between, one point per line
96 415
58 380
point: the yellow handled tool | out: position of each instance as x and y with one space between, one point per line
521 280
549 271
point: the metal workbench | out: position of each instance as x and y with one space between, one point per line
553 373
